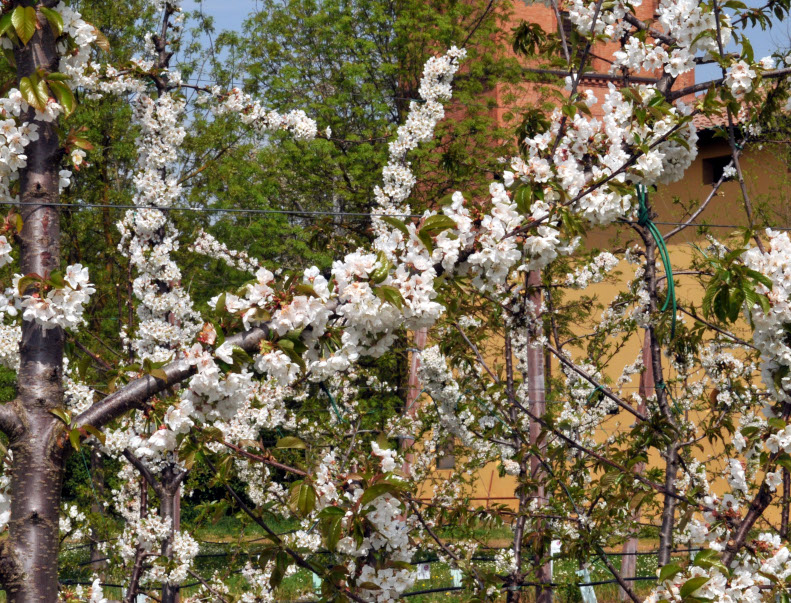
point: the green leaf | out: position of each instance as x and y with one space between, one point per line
306 290
54 18
74 438
523 197
26 281
668 571
64 95
27 89
327 512
292 349
82 143
425 238
159 374
220 305
390 295
56 280
83 365
56 76
608 479
95 433
396 223
240 357
381 269
378 490
691 585
42 92
436 224
62 414
291 442
303 498
404 565
282 561
5 23
332 528
24 20
710 558
101 40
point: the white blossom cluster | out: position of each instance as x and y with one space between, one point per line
610 142
390 535
72 522
167 320
15 135
740 79
75 62
498 251
444 390
772 331
61 306
752 577
688 23
594 272
435 87
206 244
5 500
253 113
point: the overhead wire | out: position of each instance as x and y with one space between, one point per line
303 213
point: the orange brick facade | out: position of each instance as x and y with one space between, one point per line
541 12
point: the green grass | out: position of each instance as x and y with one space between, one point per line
219 538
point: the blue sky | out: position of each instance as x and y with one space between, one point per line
229 14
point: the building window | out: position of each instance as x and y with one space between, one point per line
447 461
713 167
575 41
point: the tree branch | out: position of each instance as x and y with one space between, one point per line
9 421
207 586
474 348
592 381
273 535
145 472
138 391
11 574
777 73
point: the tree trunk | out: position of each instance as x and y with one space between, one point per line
629 559
786 498
536 393
412 394
167 509
671 454
169 491
96 478
30 552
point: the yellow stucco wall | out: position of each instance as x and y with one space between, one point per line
768 185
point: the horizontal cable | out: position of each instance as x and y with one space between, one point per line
299 213
213 209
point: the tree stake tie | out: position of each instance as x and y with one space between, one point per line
599 388
644 219
332 401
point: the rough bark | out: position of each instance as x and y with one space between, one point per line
785 505
629 559
514 594
167 510
413 392
671 454
30 553
535 391
98 562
